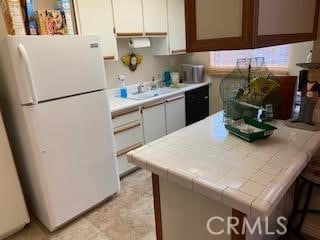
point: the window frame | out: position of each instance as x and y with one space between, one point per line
220 70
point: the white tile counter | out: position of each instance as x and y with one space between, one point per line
249 177
116 103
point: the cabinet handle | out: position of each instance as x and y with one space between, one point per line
128 149
127 127
153 104
206 97
179 51
109 57
129 34
124 112
156 34
175 98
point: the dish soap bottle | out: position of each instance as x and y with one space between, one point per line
123 88
153 84
309 57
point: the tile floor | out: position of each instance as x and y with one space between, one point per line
128 216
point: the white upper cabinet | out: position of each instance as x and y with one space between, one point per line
128 17
155 17
175 42
177 29
95 17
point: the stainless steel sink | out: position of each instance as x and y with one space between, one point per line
150 93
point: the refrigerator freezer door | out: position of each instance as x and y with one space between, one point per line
51 67
76 154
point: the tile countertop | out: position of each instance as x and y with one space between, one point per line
116 103
249 177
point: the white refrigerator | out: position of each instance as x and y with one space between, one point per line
59 123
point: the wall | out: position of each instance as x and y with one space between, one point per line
3 29
316 51
150 66
298 54
215 100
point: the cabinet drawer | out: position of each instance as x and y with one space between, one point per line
128 136
125 117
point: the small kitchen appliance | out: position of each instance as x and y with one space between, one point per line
192 73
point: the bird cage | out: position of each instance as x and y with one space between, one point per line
248 89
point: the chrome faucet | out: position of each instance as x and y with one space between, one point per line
140 87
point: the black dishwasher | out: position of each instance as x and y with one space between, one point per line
197 104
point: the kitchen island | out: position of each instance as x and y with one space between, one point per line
202 171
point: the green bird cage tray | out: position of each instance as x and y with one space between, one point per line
249 129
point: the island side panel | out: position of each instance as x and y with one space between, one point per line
157 205
183 214
241 216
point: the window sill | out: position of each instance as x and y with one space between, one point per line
223 71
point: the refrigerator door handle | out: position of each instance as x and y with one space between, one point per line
31 83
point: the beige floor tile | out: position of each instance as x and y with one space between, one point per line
127 216
81 229
150 236
129 227
99 236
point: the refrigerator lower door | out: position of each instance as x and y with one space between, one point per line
75 154
51 67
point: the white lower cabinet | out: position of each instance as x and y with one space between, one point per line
124 166
175 113
128 133
154 121
132 130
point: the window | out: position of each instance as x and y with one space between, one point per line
276 58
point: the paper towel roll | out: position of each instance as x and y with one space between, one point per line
139 42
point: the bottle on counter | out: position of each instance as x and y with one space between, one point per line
123 88
269 112
309 57
153 84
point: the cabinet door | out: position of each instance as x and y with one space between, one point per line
231 25
154 121
177 29
197 105
155 17
299 21
128 17
124 167
175 113
219 24
95 17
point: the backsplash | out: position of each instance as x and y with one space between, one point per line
150 66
